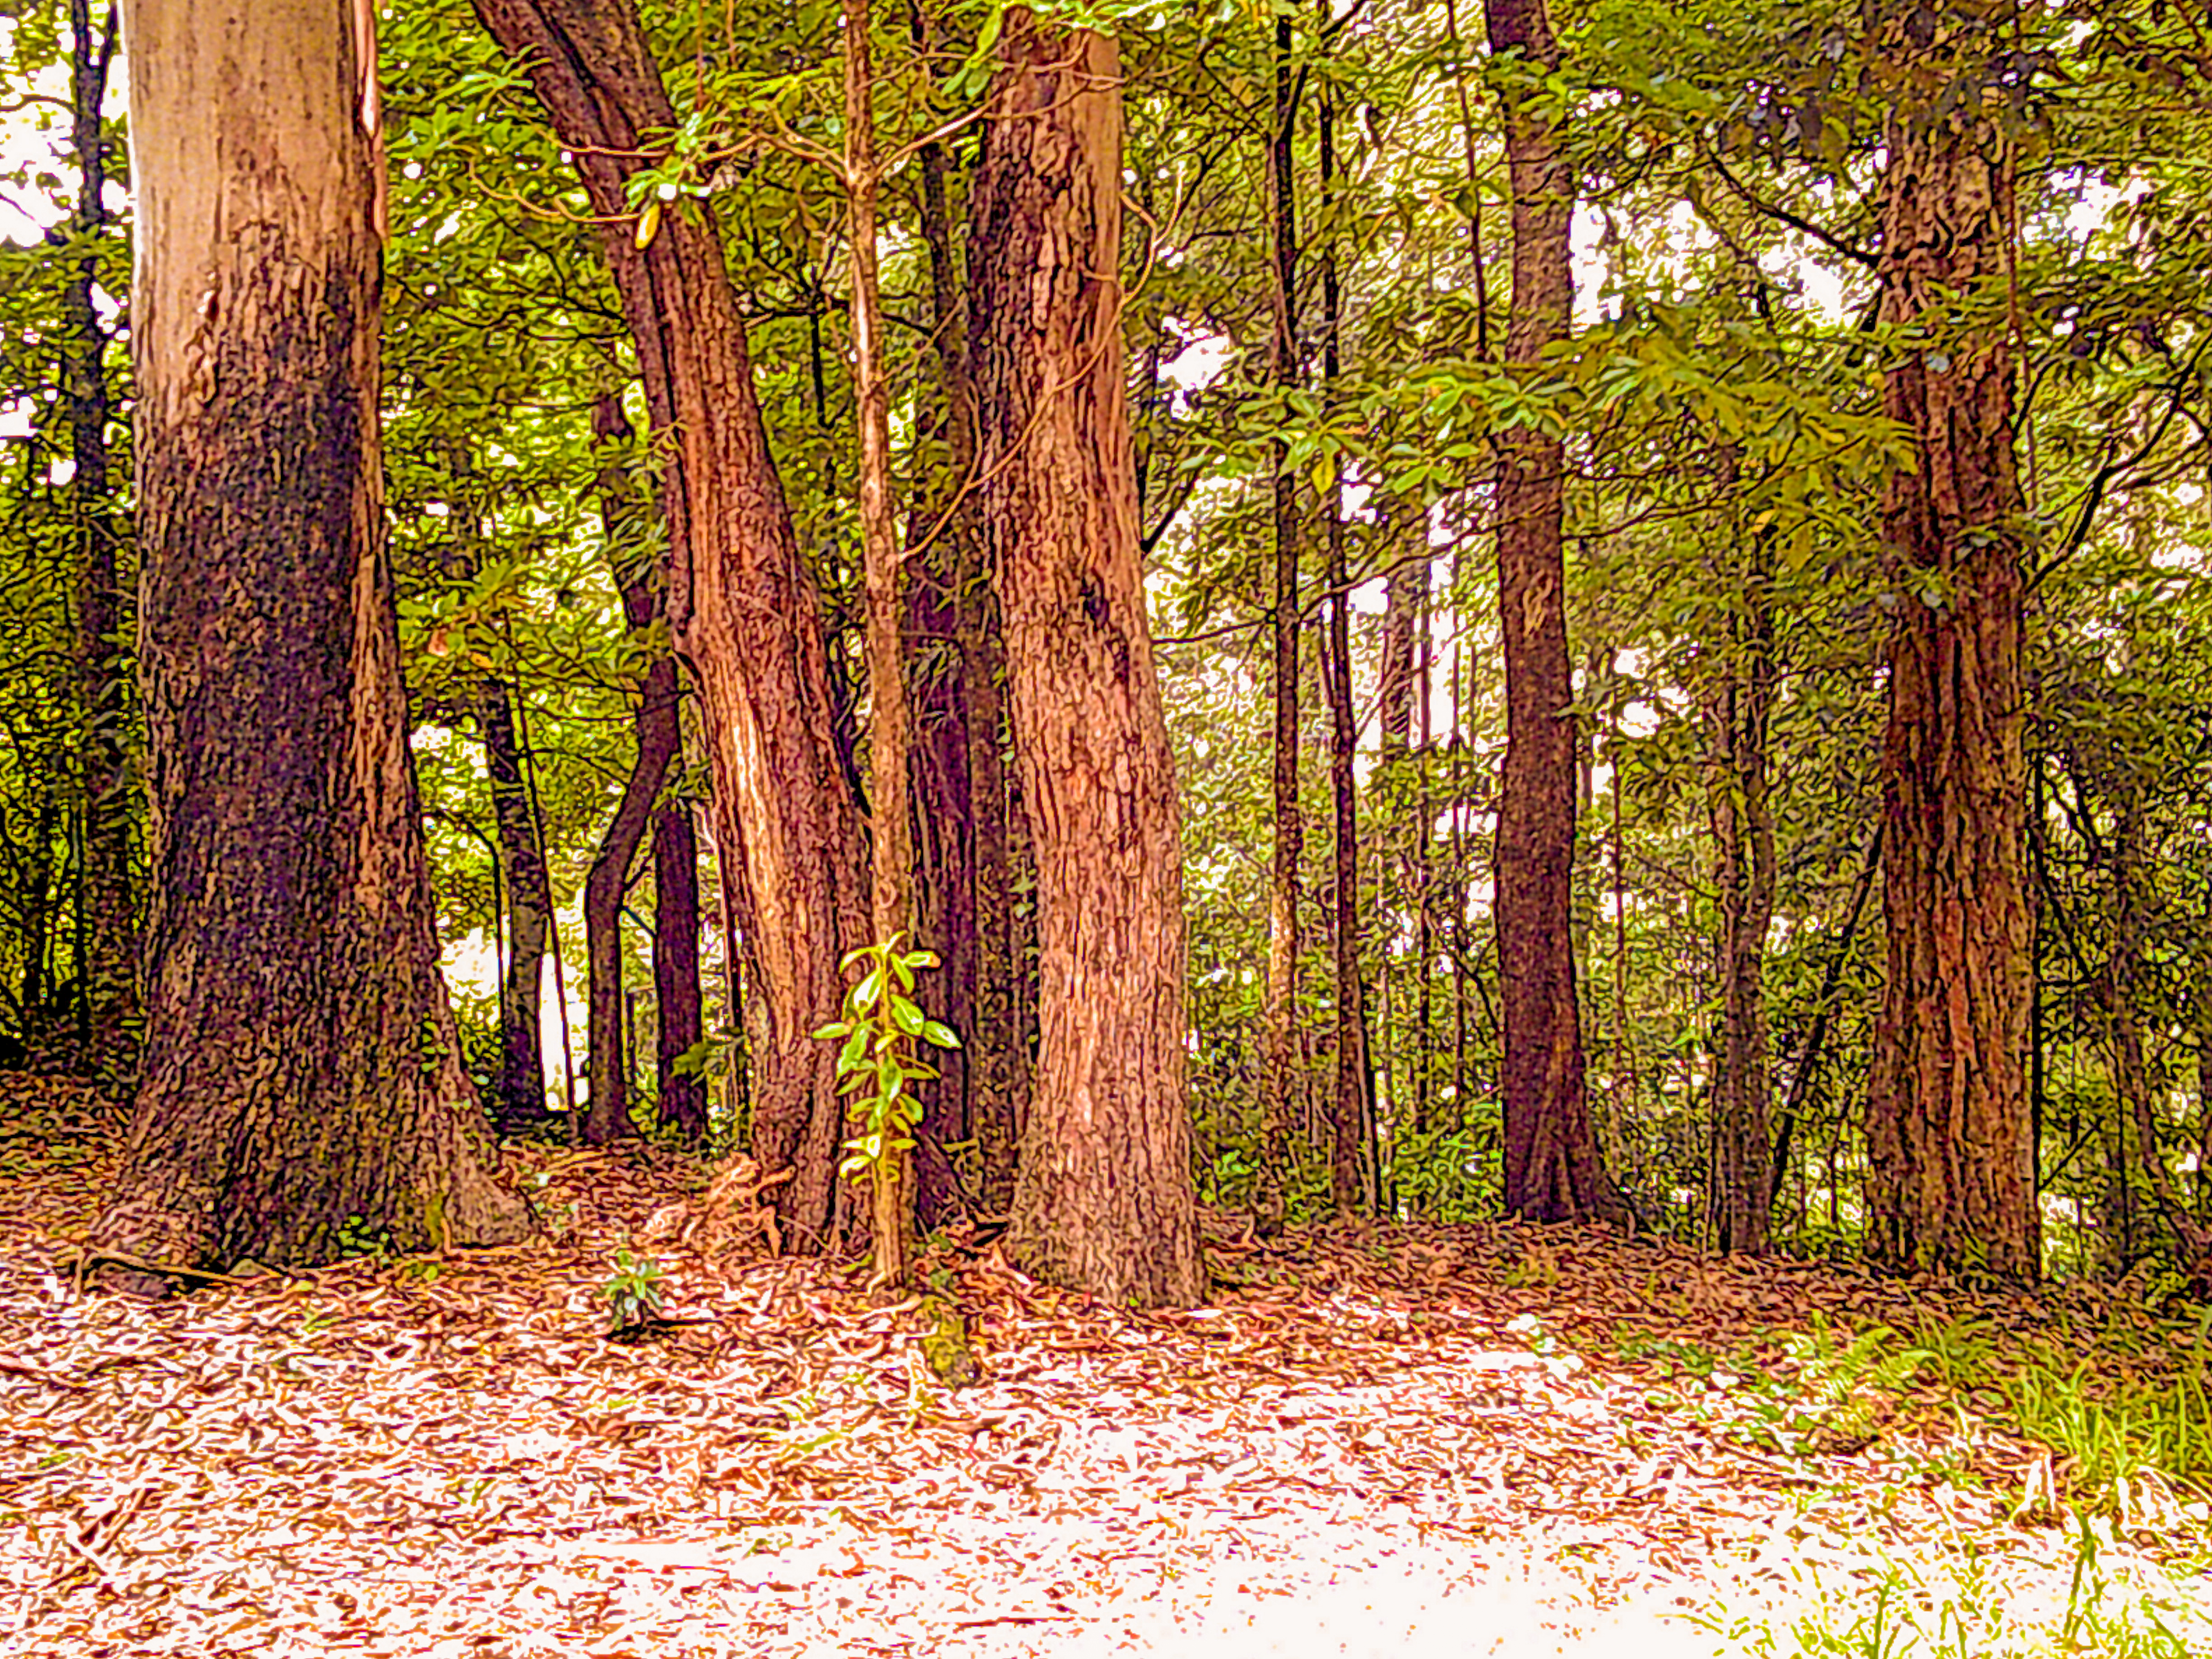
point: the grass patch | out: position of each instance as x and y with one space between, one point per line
2111 1607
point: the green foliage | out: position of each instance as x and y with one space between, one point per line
876 1057
632 1291
357 1237
2122 1439
1963 1608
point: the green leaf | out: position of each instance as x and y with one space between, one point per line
834 1029
908 1018
936 1032
856 1048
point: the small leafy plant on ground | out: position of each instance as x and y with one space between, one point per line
632 1291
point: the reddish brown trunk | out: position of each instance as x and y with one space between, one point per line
742 607
302 1066
1950 1178
1552 1168
1104 1200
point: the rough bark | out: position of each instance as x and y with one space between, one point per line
1104 1200
519 1088
1280 1011
1950 1178
1738 700
1552 1168
965 900
108 919
742 607
302 1066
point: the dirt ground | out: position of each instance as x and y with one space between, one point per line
1393 1441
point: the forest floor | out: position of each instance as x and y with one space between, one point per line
1391 1440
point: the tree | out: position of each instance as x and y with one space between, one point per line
1279 1039
890 850
659 725
1102 1201
741 606
1951 1177
1552 1167
108 907
1737 701
301 1069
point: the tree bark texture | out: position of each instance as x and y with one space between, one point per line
1738 701
742 607
1951 1171
1104 1200
1279 1044
109 920
1552 1168
519 1089
302 1066
965 901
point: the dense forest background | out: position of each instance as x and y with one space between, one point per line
1718 275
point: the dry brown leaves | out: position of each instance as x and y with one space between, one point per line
448 1457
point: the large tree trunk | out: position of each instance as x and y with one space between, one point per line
1950 1182
519 1088
1552 1167
1278 1045
1738 699
302 1066
742 607
1104 1200
108 921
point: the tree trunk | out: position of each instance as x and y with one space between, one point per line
675 965
1552 1168
660 735
1279 1014
519 1090
1352 1108
742 608
1951 1172
964 891
301 1067
1738 700
890 737
1104 1200
108 918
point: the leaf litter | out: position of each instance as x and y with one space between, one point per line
1390 1440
